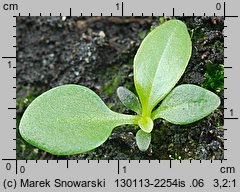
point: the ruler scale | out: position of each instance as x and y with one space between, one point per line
120 175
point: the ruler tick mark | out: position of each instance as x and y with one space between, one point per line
118 167
9 57
16 167
224 10
231 16
122 8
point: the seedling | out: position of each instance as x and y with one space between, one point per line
72 119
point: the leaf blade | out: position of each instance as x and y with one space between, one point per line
129 99
69 119
160 62
143 140
186 104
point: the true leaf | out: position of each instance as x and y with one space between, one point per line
146 124
143 140
129 99
186 104
69 119
160 62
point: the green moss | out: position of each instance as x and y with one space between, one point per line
162 19
196 35
25 95
218 45
121 78
111 86
214 77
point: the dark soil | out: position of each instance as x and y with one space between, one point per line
98 52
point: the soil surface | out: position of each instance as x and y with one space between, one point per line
98 52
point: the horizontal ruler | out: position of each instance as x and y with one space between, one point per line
122 8
118 175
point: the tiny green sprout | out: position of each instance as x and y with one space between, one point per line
72 119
